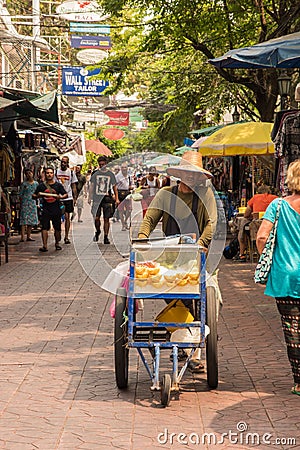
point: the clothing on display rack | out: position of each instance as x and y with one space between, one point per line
287 144
7 160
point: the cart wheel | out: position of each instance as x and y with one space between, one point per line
121 351
165 390
212 339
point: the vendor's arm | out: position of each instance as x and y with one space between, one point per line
207 234
208 217
153 215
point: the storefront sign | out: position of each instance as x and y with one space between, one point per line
88 104
100 118
120 118
79 81
91 56
102 42
77 27
81 11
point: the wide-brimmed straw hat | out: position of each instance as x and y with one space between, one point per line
190 162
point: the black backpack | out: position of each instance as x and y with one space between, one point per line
231 249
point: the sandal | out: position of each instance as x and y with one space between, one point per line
182 355
43 249
294 390
30 240
196 366
67 241
58 247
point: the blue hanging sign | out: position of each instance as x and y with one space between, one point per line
102 42
83 27
77 81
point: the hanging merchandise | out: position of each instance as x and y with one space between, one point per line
286 137
7 160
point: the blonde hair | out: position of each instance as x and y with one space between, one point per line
293 176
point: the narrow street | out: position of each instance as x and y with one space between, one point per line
57 369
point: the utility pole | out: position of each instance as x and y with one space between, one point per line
36 33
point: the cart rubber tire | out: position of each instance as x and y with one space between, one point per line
165 390
120 339
211 339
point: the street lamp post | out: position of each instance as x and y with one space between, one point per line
236 115
284 85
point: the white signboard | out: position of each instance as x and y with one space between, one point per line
79 11
91 56
100 118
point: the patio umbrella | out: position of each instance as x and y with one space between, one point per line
282 52
181 150
199 141
249 138
164 160
95 146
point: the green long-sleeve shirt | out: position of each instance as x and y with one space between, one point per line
160 208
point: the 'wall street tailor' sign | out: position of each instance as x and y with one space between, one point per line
80 81
102 42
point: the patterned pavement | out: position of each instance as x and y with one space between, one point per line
57 387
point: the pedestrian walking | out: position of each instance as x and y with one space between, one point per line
150 186
80 192
102 183
28 207
51 193
284 277
68 179
124 186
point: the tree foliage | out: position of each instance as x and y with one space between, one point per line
163 46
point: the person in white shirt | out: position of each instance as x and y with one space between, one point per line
68 179
124 187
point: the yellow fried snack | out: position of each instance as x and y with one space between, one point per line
140 282
182 275
153 270
171 283
143 274
155 278
158 284
182 282
193 282
139 269
170 278
193 275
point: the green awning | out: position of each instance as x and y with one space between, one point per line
15 106
207 131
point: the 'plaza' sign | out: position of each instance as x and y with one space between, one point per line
81 11
80 81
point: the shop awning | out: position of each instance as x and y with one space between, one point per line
39 125
14 106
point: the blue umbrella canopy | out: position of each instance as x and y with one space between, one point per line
282 52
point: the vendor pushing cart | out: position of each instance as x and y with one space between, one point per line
176 272
187 208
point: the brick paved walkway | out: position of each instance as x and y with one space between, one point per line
57 388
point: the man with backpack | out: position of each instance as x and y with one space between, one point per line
68 179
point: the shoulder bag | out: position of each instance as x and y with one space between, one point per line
265 261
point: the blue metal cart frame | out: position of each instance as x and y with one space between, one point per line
127 328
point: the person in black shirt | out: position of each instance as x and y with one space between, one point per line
102 184
51 192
